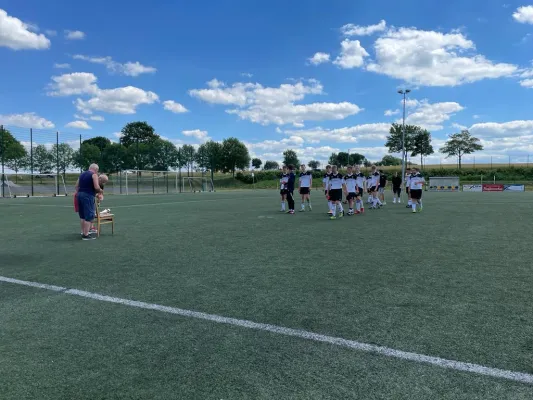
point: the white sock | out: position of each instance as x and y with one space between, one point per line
308 203
420 202
379 202
341 208
410 202
375 202
414 206
283 205
303 206
333 210
357 205
329 205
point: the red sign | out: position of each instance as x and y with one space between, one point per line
492 188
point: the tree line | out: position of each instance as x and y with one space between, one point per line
141 148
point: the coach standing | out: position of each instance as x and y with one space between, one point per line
87 187
290 189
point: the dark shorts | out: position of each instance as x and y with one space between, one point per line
351 196
416 194
359 192
374 189
86 206
283 192
304 190
396 190
335 195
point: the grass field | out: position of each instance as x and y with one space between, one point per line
455 282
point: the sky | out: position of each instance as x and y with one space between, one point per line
313 76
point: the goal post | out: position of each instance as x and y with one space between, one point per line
34 185
444 184
197 184
134 181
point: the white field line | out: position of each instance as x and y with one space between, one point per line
337 341
145 204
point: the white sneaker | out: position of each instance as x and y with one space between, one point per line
399 201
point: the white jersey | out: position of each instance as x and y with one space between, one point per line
416 182
360 178
325 181
335 181
369 182
408 180
351 183
305 179
283 181
375 179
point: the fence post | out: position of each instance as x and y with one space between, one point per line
153 182
31 159
57 163
3 159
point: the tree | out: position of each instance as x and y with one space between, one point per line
42 159
333 159
343 159
64 154
98 141
460 144
390 160
367 163
210 156
234 155
163 155
189 155
140 132
114 157
357 159
271 165
422 145
394 140
290 157
256 163
86 155
138 157
12 152
313 164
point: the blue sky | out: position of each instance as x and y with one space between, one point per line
314 76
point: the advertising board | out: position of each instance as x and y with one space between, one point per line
492 187
514 188
472 188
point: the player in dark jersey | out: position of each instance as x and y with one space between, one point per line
397 188
290 189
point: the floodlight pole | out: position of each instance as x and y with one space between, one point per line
404 94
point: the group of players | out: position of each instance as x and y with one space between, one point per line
352 186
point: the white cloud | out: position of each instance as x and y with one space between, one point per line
118 135
91 118
390 113
431 115
502 130
357 30
246 74
74 35
352 134
78 125
129 68
18 35
26 120
527 83
524 14
319 58
62 66
459 126
274 105
123 100
50 32
73 84
429 58
475 116
197 134
174 107
352 54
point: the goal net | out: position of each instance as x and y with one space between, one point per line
444 184
38 185
145 182
197 184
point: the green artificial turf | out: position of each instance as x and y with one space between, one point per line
454 281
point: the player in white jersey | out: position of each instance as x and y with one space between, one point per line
325 184
305 185
335 188
284 179
376 203
408 187
361 189
417 182
350 188
368 187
